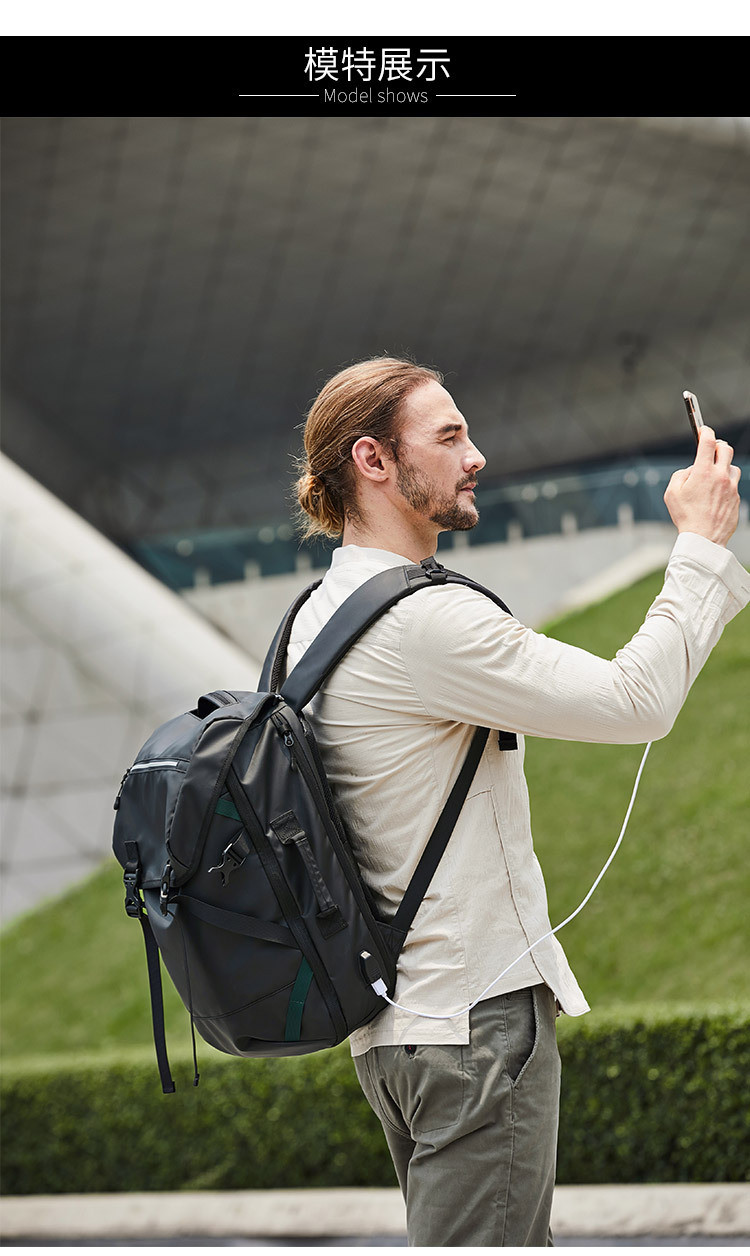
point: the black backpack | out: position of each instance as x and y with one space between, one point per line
237 864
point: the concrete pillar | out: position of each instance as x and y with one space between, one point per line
625 517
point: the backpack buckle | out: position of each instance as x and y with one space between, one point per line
133 900
165 888
231 858
435 570
132 878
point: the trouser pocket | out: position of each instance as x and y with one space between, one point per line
522 1030
366 1068
419 1094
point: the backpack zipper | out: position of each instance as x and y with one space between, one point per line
282 727
142 767
145 764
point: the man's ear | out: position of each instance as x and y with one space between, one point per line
371 459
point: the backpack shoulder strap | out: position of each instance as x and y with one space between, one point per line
360 610
440 836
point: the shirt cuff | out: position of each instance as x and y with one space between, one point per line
717 559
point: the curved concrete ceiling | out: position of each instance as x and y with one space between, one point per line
177 289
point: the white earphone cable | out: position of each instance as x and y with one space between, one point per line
380 988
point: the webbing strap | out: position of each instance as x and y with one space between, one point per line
297 1000
285 899
435 848
134 906
237 922
157 1003
360 610
270 677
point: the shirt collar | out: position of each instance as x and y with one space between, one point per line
346 554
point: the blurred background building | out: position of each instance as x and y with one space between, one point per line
175 292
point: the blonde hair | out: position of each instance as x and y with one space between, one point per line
364 399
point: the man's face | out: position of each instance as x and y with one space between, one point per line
437 464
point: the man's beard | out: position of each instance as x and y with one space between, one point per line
443 509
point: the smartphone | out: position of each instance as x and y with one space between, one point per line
694 413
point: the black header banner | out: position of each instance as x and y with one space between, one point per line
324 75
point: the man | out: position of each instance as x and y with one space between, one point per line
469 1100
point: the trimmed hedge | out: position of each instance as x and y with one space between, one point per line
658 1097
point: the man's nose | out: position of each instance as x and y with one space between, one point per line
473 459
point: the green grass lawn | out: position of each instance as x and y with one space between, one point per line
669 923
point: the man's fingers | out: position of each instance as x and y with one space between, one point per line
677 479
724 454
704 498
706 447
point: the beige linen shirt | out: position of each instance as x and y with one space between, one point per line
394 721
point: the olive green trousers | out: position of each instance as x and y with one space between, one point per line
472 1130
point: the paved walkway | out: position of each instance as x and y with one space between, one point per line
368 1217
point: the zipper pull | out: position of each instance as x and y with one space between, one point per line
116 804
288 737
289 743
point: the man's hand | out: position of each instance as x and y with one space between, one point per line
704 498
